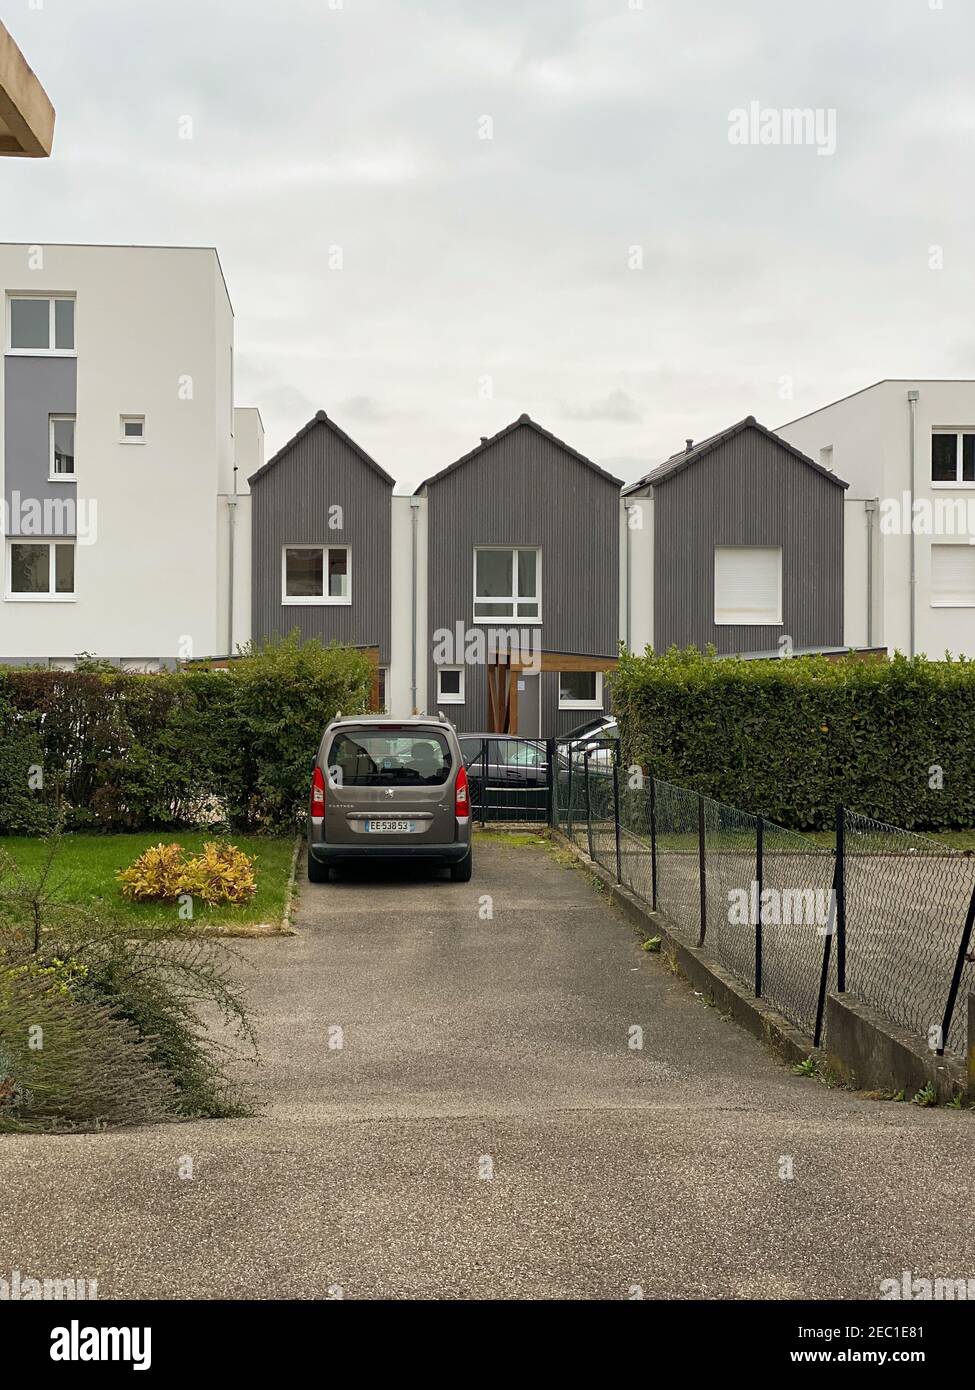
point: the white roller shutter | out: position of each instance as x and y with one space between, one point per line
747 584
952 575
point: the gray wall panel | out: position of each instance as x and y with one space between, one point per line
291 507
749 491
525 490
35 388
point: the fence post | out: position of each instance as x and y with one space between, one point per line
568 818
759 876
653 840
840 899
484 781
702 867
585 765
616 816
963 946
551 789
823 979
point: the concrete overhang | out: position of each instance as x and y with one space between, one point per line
26 114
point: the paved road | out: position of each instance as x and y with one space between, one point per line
474 1044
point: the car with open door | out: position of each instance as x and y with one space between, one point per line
389 789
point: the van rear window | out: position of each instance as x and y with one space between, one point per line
368 759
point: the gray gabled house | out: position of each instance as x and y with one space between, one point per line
522 557
321 537
736 542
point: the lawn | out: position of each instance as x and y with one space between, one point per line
87 864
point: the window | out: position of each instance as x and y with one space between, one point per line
368 759
132 429
580 690
62 663
38 324
953 576
450 685
507 584
62 448
41 570
747 585
953 457
316 574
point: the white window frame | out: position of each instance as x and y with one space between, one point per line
741 617
597 703
950 602
315 600
49 351
958 483
449 699
131 420
52 596
53 477
514 599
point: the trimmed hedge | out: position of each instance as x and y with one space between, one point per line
128 752
792 738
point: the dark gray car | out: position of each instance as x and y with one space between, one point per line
389 789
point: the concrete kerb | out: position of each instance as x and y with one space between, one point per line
728 995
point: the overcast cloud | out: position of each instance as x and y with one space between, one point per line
485 277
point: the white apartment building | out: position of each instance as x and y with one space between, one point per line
907 449
123 463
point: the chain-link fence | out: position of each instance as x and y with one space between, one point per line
909 901
769 903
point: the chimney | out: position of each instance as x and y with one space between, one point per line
690 445
484 439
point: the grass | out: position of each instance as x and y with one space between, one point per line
87 865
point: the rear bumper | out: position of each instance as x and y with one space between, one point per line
350 854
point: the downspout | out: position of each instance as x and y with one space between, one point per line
912 397
870 507
627 507
414 519
232 542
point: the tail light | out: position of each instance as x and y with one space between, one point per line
462 802
317 807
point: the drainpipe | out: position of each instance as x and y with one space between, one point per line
912 397
232 542
870 507
414 520
627 507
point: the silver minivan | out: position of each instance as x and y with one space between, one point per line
389 789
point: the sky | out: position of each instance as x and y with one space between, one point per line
434 215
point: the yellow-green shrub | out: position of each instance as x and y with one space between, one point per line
157 875
220 874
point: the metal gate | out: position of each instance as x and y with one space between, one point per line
510 778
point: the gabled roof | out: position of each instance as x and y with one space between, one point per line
677 462
523 420
320 418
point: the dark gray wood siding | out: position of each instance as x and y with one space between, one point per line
749 491
290 506
524 490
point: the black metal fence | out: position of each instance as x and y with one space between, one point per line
886 914
510 778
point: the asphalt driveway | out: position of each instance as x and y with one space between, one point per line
488 1129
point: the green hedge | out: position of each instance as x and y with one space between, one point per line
792 738
126 752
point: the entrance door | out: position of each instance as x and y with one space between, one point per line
529 713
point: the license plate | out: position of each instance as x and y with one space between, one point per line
390 827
